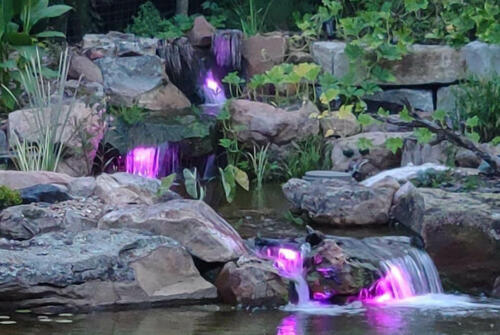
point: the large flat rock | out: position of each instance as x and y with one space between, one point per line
98 269
424 64
21 179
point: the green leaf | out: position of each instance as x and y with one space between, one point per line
48 12
382 112
364 144
329 95
48 34
394 144
415 5
18 39
241 178
472 122
405 115
166 183
228 182
382 74
423 135
354 52
365 119
439 115
473 136
191 182
495 141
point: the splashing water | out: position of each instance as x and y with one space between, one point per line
153 161
290 264
226 48
405 277
213 90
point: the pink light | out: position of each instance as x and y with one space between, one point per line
143 161
395 285
212 84
212 90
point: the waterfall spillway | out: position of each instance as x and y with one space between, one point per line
290 264
213 90
226 48
404 277
153 161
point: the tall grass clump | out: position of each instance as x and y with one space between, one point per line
48 116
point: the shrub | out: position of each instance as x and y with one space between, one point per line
310 154
9 197
479 99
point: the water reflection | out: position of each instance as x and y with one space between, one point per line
291 325
386 321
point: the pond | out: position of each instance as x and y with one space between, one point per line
426 315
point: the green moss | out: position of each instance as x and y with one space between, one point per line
9 197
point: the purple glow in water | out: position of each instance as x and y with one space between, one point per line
288 326
143 161
153 161
213 90
405 277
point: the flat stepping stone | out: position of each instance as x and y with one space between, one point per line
326 174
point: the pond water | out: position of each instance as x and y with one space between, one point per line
423 315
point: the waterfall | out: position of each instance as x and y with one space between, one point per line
213 90
290 264
404 277
153 161
226 48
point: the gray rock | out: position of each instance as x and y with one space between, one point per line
496 288
43 193
193 223
262 123
425 64
4 146
341 127
341 203
21 179
98 269
482 59
459 229
165 98
346 155
417 154
125 79
418 99
118 44
126 189
26 221
82 187
252 282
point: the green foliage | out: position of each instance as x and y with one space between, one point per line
297 220
232 176
234 81
260 163
252 16
9 197
149 23
306 155
394 144
215 14
166 184
130 115
20 21
423 135
364 144
49 117
478 108
447 179
192 184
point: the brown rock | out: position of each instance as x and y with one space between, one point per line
164 98
251 281
21 179
201 33
193 223
263 52
84 67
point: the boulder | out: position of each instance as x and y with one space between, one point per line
262 52
418 99
482 59
21 179
82 187
165 98
201 33
424 64
262 123
123 188
118 44
72 120
98 269
251 281
341 202
461 232
341 126
193 223
447 98
26 221
127 78
44 193
417 154
342 266
83 67
496 288
346 154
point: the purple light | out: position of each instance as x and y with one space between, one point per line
395 285
288 326
322 296
212 89
143 161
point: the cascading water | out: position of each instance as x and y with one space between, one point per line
153 161
405 277
226 48
290 264
213 90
